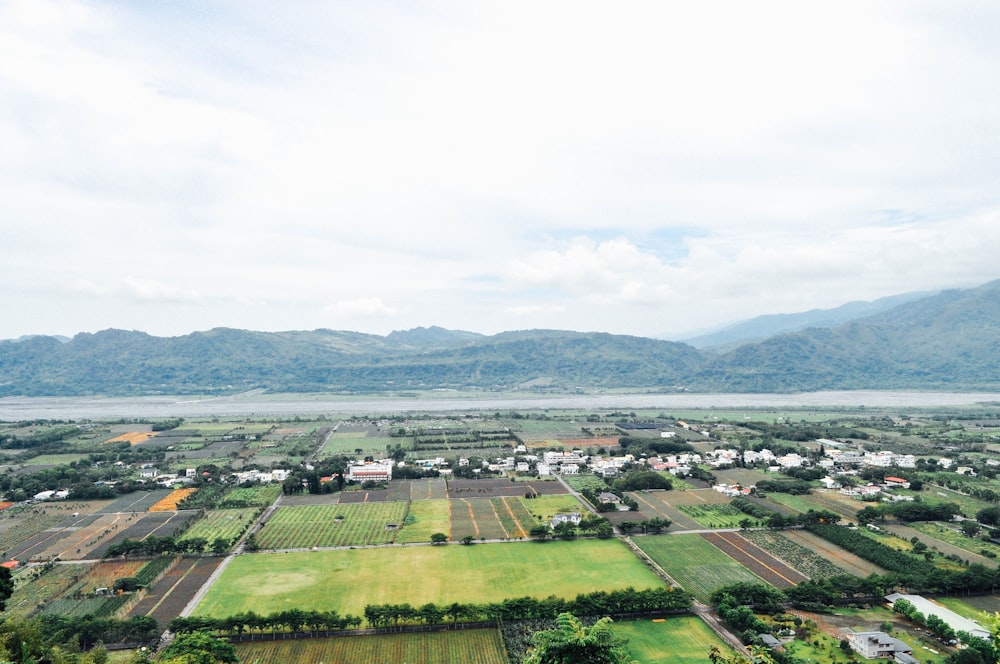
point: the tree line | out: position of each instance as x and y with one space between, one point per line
618 602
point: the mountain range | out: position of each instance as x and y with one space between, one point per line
948 340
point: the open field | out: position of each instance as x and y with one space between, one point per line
755 559
478 573
425 518
332 525
140 501
795 554
667 504
675 640
741 476
260 495
694 563
159 524
482 646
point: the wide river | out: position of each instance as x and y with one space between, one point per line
290 405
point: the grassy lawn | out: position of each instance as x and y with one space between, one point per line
348 580
425 518
699 567
543 508
680 640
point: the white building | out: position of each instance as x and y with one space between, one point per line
879 645
370 472
952 619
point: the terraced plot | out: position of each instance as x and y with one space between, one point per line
495 488
332 525
221 524
434 488
33 591
160 524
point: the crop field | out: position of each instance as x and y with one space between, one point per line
165 599
103 575
492 518
331 525
715 515
225 524
799 557
160 524
433 488
676 640
845 560
755 559
477 573
25 530
33 590
425 518
494 488
482 646
581 482
170 501
260 495
375 445
694 563
75 537
140 501
351 496
665 504
131 437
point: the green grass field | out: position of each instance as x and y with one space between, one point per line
483 646
699 567
425 518
679 640
543 508
715 516
348 580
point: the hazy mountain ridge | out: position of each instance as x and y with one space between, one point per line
949 340
769 325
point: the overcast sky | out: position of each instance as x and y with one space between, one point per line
649 168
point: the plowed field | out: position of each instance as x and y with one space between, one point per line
758 561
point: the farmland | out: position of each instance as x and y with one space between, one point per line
795 554
477 573
755 559
332 525
482 646
678 640
227 524
714 515
425 518
694 563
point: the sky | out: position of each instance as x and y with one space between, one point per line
646 168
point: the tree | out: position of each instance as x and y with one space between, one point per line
970 528
199 648
540 532
439 538
468 539
572 642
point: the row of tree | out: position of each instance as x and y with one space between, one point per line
619 602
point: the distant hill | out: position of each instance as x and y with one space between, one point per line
763 327
946 341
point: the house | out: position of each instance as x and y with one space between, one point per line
770 642
872 645
573 517
952 619
896 482
609 498
148 472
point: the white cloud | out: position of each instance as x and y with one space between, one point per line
639 168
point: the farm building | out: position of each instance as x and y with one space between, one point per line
872 645
573 517
952 619
370 472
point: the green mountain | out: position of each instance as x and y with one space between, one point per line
947 341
